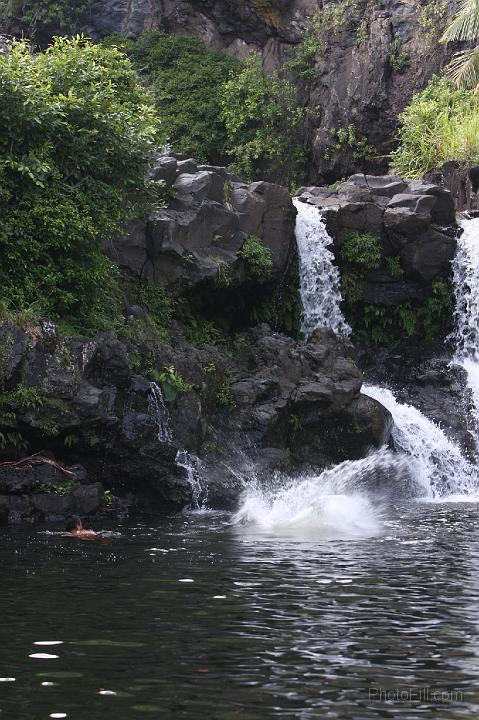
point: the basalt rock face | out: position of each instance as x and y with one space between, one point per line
198 239
372 56
414 222
91 421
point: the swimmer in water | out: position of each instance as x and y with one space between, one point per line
74 527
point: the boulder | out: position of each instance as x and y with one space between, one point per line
413 221
197 239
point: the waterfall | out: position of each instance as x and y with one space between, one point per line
192 464
159 412
185 460
466 288
436 462
319 277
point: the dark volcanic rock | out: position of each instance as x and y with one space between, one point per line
198 238
414 222
275 404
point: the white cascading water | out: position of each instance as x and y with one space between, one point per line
192 465
185 460
159 412
466 288
341 501
436 462
319 277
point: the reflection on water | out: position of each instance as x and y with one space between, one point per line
198 618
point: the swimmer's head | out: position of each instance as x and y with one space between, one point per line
73 523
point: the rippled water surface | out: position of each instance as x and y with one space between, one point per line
195 618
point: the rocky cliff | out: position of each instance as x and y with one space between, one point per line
157 415
362 62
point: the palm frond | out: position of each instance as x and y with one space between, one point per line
464 68
465 25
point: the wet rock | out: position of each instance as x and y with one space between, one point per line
413 221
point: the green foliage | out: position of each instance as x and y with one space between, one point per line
199 331
172 383
362 250
76 130
441 123
397 58
54 489
13 440
303 61
257 258
431 19
159 304
394 325
347 138
224 396
187 82
224 277
394 267
262 119
70 440
22 397
47 427
61 13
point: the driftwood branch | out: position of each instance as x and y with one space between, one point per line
36 459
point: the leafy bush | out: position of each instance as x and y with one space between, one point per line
397 57
187 82
394 267
262 120
76 129
363 250
441 123
172 383
257 257
61 13
348 138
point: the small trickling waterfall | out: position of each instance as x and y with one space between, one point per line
185 460
319 277
466 288
192 465
159 412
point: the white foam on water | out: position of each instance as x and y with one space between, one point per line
337 503
319 277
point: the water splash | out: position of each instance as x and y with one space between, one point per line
347 500
319 277
158 410
192 464
437 463
465 268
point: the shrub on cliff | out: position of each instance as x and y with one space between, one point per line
263 121
76 128
441 123
187 81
